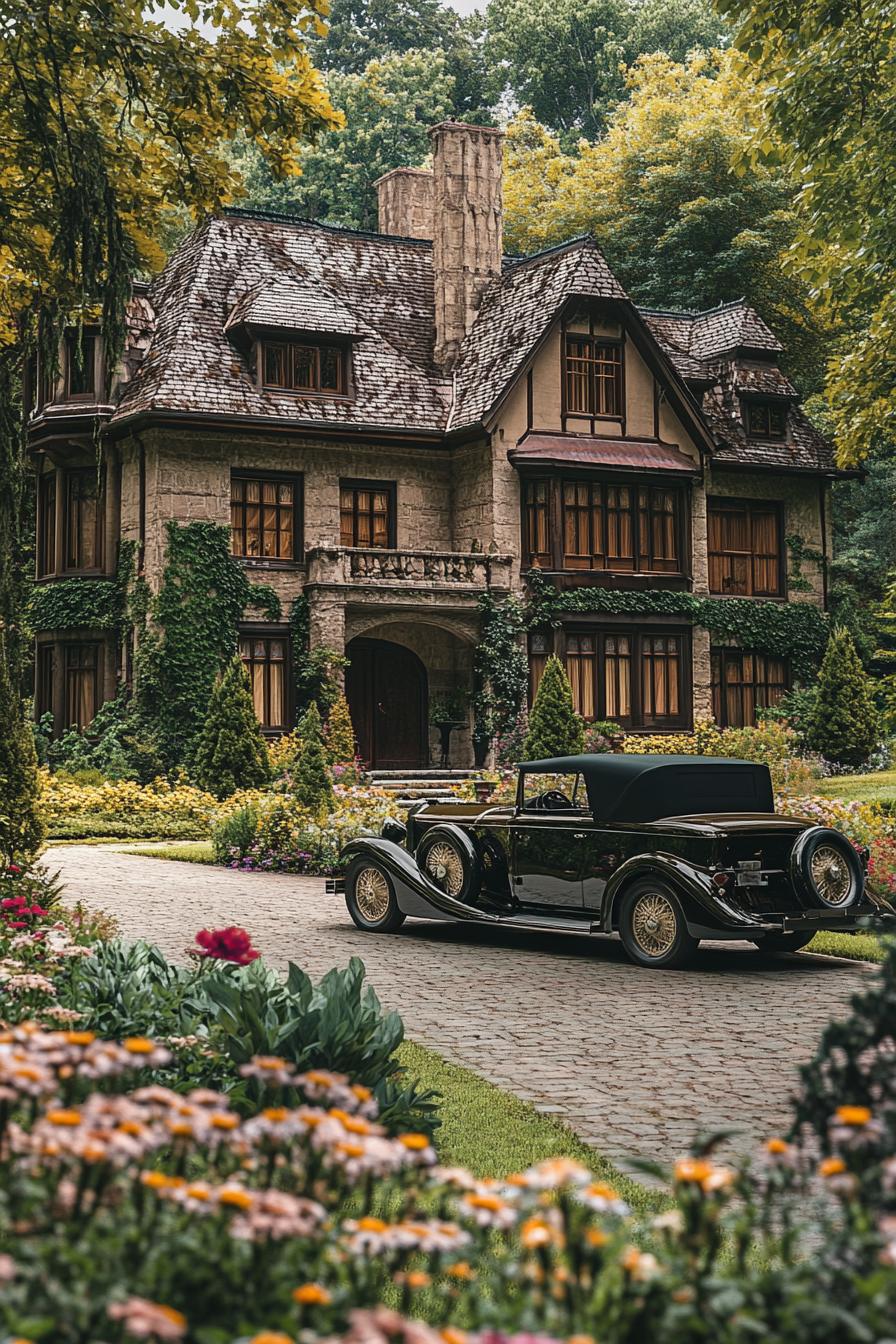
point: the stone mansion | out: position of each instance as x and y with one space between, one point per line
395 423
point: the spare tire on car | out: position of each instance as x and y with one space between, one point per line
826 869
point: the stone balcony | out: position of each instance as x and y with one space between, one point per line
452 572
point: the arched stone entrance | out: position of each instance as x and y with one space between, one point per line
386 689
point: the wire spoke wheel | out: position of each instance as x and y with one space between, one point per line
372 894
830 875
654 924
445 866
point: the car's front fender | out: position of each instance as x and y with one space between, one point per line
705 908
415 893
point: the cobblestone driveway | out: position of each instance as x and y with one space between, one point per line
633 1060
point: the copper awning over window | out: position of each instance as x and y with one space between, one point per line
581 450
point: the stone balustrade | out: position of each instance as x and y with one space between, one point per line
351 566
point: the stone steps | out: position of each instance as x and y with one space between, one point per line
419 785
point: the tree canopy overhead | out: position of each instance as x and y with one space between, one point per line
825 92
667 193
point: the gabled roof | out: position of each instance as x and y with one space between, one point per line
714 331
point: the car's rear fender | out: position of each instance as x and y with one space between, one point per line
705 909
415 893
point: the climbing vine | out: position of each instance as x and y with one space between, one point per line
94 604
795 630
316 670
500 667
190 630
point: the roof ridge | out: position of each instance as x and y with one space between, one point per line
743 301
280 217
566 246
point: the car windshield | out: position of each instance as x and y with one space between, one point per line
553 793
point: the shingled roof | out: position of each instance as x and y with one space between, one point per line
247 269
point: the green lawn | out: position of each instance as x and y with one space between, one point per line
187 851
856 946
495 1133
879 787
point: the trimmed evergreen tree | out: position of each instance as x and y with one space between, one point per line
845 726
555 729
340 733
21 822
311 781
231 753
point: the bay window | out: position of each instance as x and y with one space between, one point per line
604 525
83 520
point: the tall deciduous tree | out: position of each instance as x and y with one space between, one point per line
387 109
110 122
666 195
825 111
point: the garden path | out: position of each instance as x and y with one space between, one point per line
634 1061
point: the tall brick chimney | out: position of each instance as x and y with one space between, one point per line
467 232
458 206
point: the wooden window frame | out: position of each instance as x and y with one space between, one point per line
46 557
296 480
637 720
66 651
92 395
66 566
389 488
45 670
720 657
733 503
755 407
290 346
267 633
612 356
600 486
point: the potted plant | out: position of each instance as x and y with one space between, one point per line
446 712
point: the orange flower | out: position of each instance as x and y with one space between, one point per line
461 1270
856 1116
66 1118
271 1337
79 1037
451 1335
224 1120
596 1237
361 1092
276 1114
777 1146
831 1166
536 1232
371 1224
138 1045
692 1169
311 1295
415 1143
480 1201
238 1199
417 1278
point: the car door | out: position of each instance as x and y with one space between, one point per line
547 851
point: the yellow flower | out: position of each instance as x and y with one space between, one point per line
271 1337
415 1143
856 1116
777 1146
312 1294
831 1166
238 1199
138 1045
64 1118
371 1224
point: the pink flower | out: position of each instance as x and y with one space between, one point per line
148 1320
230 944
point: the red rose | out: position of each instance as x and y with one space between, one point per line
230 944
14 869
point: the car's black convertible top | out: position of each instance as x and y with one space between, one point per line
646 788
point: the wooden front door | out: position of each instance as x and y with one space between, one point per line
385 685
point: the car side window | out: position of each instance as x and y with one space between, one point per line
554 793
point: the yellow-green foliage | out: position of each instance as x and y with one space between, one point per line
774 744
340 733
21 822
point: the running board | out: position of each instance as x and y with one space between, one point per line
551 923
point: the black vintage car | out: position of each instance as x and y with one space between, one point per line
664 850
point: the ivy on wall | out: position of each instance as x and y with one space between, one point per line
95 604
190 631
797 631
500 668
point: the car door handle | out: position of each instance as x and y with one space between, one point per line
578 835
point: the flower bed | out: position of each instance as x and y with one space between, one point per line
123 808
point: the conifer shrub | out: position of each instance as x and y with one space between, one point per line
845 726
555 729
340 733
311 781
231 752
21 820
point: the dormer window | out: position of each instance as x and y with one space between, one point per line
305 367
593 376
766 419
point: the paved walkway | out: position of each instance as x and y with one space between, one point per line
633 1060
